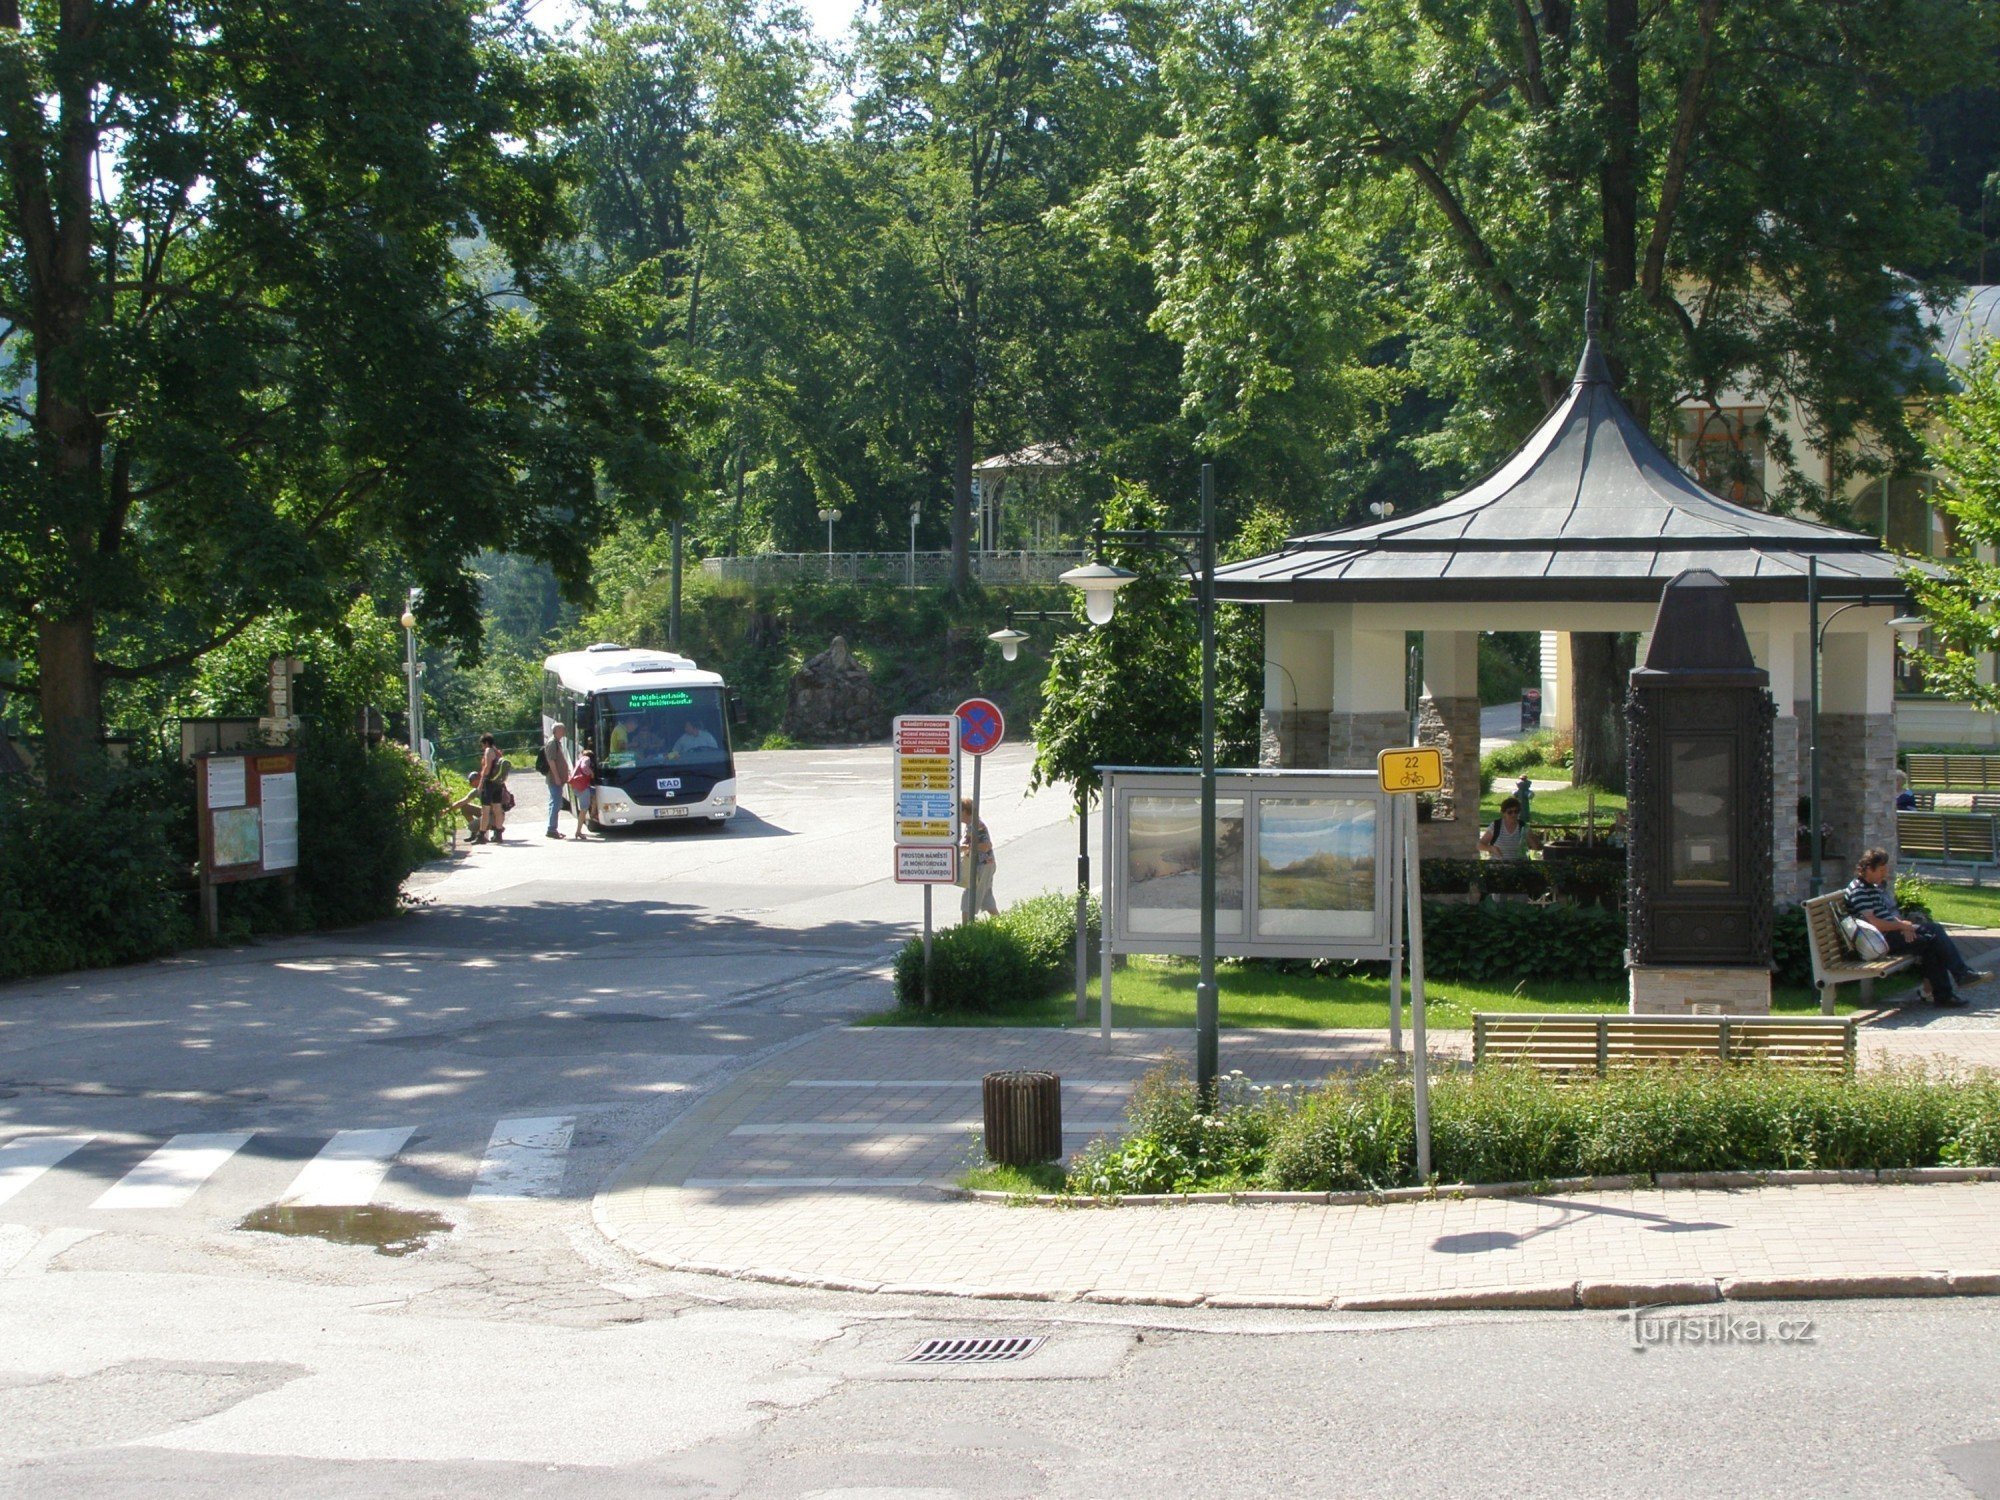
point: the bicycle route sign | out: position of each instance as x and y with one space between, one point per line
981 725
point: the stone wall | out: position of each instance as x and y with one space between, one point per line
1293 739
1452 724
1353 740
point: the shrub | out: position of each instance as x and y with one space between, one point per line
1518 1125
1791 949
1174 1146
1521 941
368 816
91 879
1013 959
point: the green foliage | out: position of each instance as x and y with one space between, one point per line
1964 606
93 878
369 815
320 315
1542 748
1509 662
1414 192
1523 941
1121 694
1012 959
1518 1125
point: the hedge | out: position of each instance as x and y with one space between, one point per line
1013 959
1518 1125
106 876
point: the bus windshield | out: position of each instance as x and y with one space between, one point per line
662 727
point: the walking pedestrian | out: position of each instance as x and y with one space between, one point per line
553 762
976 861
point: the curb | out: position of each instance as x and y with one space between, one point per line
1561 1296
1666 1181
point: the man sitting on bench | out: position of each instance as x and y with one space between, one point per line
1871 898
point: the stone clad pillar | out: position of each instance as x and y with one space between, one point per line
1298 689
1368 715
1448 717
1776 651
1857 737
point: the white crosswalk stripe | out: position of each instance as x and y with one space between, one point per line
25 1158
172 1174
349 1169
525 1158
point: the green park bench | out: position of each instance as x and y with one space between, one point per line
1597 1044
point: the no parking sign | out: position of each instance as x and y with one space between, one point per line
981 725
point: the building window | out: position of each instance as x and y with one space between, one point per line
1723 447
1904 517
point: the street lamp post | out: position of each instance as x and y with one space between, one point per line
916 511
1906 626
829 515
414 671
1009 640
1100 584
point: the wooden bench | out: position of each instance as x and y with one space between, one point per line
1832 964
1987 802
1949 838
1979 773
1597 1044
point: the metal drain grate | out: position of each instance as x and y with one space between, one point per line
972 1351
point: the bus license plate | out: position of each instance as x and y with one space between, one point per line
670 812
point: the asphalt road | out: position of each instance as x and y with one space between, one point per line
488 1059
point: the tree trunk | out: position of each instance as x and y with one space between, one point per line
1618 177
1600 667
72 736
961 496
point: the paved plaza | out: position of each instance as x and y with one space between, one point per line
830 1162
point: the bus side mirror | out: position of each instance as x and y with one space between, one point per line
739 711
586 726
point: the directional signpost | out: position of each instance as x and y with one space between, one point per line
924 809
1407 772
981 727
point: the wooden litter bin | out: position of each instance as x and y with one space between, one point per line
1023 1117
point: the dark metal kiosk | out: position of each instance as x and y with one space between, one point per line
1698 765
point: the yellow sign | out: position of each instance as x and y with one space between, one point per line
1412 770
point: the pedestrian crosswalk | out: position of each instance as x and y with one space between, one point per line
518 1158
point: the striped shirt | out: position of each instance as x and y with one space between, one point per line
1877 902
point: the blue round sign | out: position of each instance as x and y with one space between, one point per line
981 725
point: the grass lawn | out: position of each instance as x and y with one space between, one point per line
1569 805
1503 781
1160 992
1963 905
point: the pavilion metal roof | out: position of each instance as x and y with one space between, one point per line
1587 509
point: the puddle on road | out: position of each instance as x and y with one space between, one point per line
389 1231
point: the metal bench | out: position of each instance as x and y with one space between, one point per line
1967 839
1980 773
1832 964
1597 1044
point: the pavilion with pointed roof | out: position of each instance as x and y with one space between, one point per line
1578 531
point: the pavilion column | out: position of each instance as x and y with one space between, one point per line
1777 653
1448 717
1558 685
1368 713
1857 737
1298 691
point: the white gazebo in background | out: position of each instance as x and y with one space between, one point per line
1019 472
1579 531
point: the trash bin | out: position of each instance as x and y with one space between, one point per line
1023 1117
1531 708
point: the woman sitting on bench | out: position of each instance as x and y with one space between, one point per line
1871 898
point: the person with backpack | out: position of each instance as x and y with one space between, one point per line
493 793
1510 837
582 778
552 760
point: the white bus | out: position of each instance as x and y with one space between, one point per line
658 727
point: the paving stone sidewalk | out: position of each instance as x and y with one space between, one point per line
821 1166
